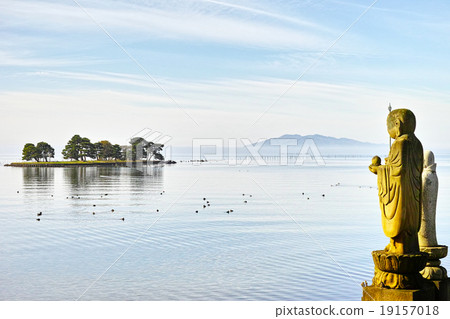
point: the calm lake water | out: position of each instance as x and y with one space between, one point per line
280 245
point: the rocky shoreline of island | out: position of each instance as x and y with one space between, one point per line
88 163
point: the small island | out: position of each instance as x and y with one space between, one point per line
79 149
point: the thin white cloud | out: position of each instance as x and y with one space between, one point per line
255 94
223 109
202 93
19 59
381 7
165 22
301 22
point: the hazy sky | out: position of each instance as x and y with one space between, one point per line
210 69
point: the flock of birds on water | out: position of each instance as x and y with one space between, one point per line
205 204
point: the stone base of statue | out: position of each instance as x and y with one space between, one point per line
435 272
426 293
433 269
397 277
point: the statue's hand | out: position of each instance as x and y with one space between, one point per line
376 161
373 169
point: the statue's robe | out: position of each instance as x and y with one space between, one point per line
399 187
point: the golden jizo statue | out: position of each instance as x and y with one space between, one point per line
399 184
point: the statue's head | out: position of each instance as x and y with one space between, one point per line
428 158
401 121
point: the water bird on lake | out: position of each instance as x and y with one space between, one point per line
204 206
227 211
303 193
231 210
94 205
196 211
323 195
245 201
17 192
204 198
157 210
123 219
38 219
308 198
106 194
112 210
39 214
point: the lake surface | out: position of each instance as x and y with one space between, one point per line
279 245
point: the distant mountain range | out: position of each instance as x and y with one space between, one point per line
326 145
326 140
294 144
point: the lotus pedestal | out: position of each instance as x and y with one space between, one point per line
397 278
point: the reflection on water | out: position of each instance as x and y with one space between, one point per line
177 249
38 176
79 176
82 177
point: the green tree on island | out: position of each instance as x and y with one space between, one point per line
45 151
156 152
30 152
142 149
117 152
72 148
104 150
87 149
79 148
98 147
42 150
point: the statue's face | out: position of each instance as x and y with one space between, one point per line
392 132
392 127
